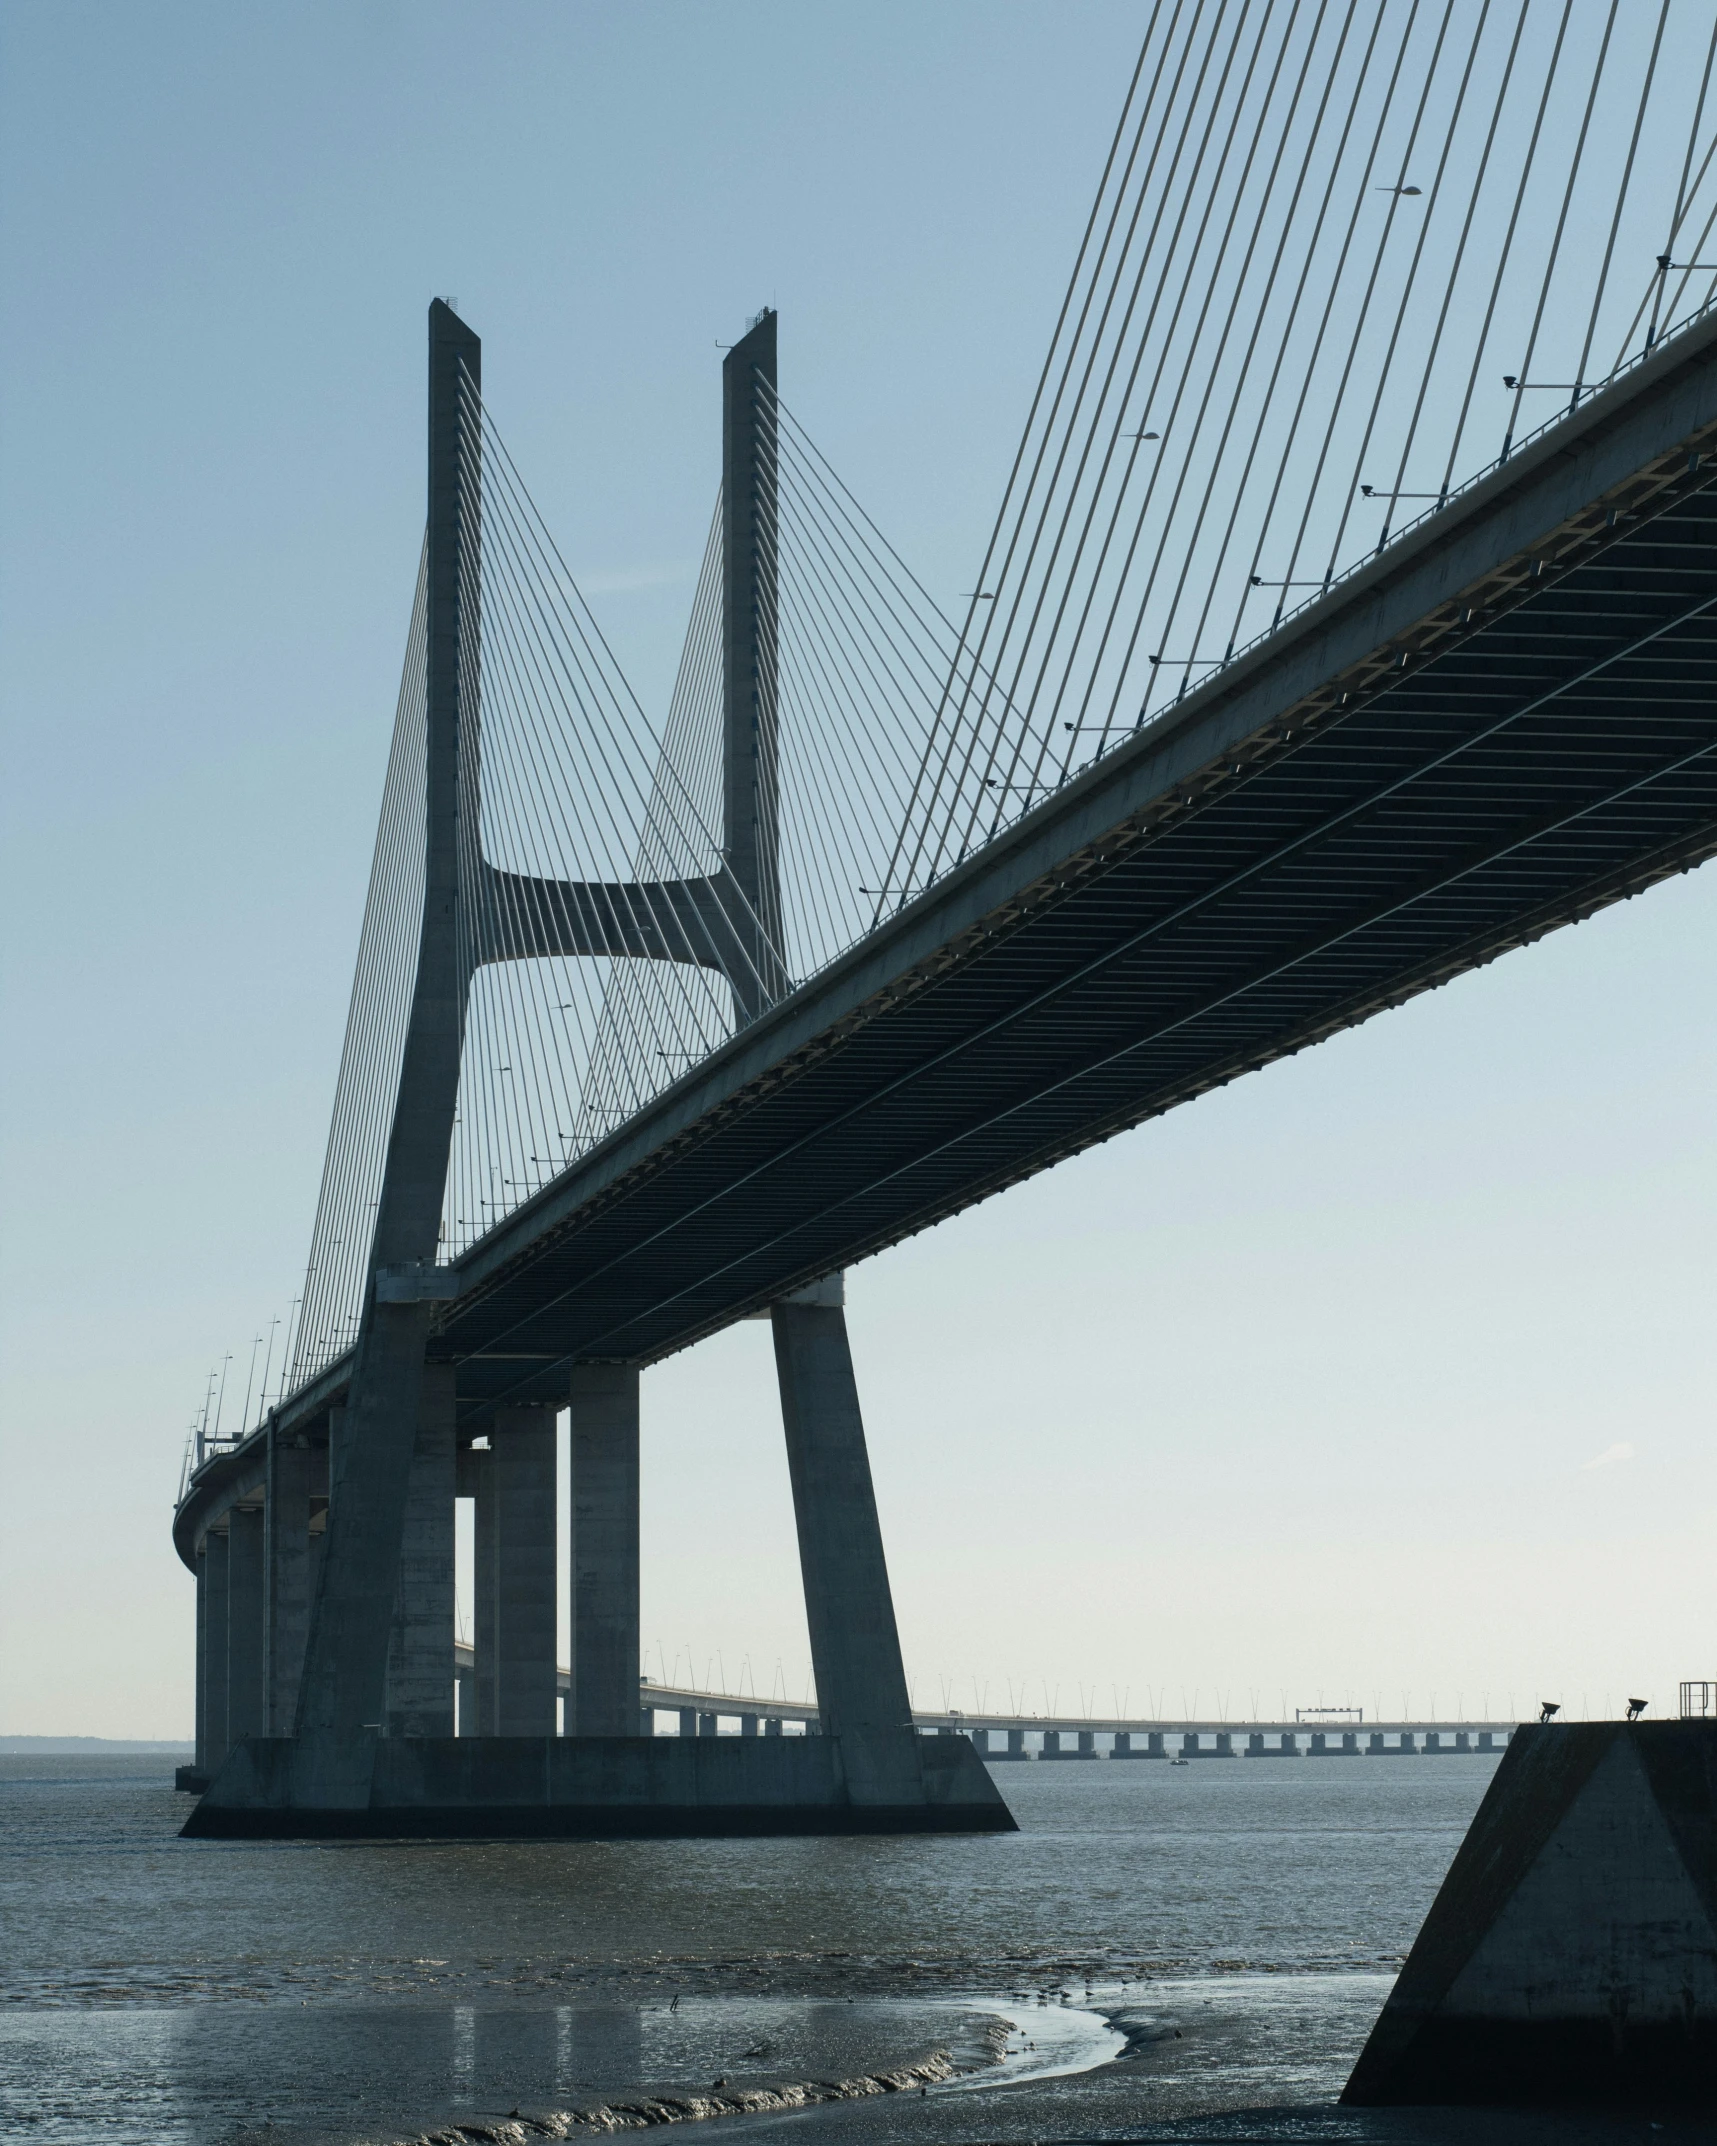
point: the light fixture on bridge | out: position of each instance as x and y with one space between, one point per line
1549 1710
1521 387
1636 1707
1369 491
1397 189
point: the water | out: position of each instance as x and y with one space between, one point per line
1171 1939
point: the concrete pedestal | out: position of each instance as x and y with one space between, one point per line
1571 1955
598 1787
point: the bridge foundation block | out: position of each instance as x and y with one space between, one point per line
1571 1954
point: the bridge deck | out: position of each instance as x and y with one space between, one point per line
1503 723
1508 720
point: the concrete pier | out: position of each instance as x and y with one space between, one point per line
1571 1954
518 1616
603 1531
295 1470
245 1611
420 1646
849 1608
215 1559
200 1750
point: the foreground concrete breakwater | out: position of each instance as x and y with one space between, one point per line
645 2110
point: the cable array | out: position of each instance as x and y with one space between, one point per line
1338 255
380 1007
1342 258
602 931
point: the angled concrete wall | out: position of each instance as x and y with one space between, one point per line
1571 1954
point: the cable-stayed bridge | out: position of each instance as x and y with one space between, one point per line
1348 620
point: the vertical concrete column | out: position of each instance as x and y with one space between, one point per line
245 1711
603 1509
688 1721
420 1647
855 1644
521 1570
1016 1743
201 1760
292 1473
215 1566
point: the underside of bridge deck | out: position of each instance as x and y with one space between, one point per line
1506 723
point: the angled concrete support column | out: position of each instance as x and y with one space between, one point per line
515 1576
855 1644
215 1563
475 1469
201 1760
603 1402
245 1711
293 1472
420 1650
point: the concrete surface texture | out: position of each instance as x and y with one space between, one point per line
1571 1954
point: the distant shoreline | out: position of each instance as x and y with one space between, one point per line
71 1746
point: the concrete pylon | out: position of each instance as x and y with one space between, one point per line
602 1405
1571 1954
519 1574
246 1715
420 1647
849 1607
216 1562
343 1687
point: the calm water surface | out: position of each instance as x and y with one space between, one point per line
1239 1922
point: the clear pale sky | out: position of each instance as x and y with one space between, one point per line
1384 1376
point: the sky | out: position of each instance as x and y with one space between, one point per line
1383 1376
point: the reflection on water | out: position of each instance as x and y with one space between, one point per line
181 1987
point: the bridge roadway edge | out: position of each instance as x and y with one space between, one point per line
1031 866
1387 615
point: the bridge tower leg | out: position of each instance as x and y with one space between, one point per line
603 1403
849 1607
344 1687
750 558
